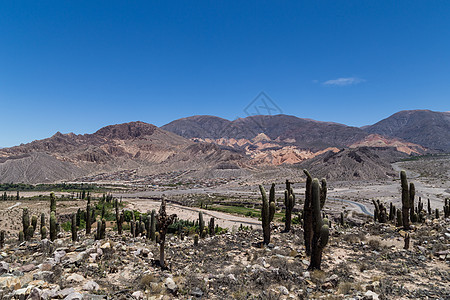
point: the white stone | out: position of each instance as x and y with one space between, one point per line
75 278
371 295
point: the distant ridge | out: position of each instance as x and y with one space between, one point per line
428 128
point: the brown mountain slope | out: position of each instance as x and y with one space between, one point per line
361 163
430 129
131 146
303 133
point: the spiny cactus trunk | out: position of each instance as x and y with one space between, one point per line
34 222
211 226
52 226
43 232
320 228
267 213
201 224
406 239
42 221
289 203
103 230
88 219
52 203
307 214
74 227
412 194
25 220
405 200
164 222
2 239
153 225
118 218
399 218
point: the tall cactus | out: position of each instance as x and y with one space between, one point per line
88 219
211 226
412 194
399 218
52 226
267 213
405 200
320 228
25 220
74 227
52 203
201 223
42 221
164 222
120 219
2 239
289 203
34 222
447 208
308 209
153 225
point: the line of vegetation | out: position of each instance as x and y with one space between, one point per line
54 187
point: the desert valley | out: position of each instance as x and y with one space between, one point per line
208 208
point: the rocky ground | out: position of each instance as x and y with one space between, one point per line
362 262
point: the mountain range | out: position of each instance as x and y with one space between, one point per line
210 146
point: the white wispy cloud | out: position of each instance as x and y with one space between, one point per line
343 81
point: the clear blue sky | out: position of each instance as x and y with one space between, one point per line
75 66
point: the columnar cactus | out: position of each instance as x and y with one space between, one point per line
437 213
25 220
196 240
98 233
342 221
103 229
399 218
447 208
43 232
320 228
120 223
412 193
406 240
34 222
211 226
267 213
21 237
74 227
153 225
164 221
380 213
132 228
52 203
201 223
289 203
2 239
42 221
391 212
308 209
88 219
52 226
429 207
405 200
78 217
